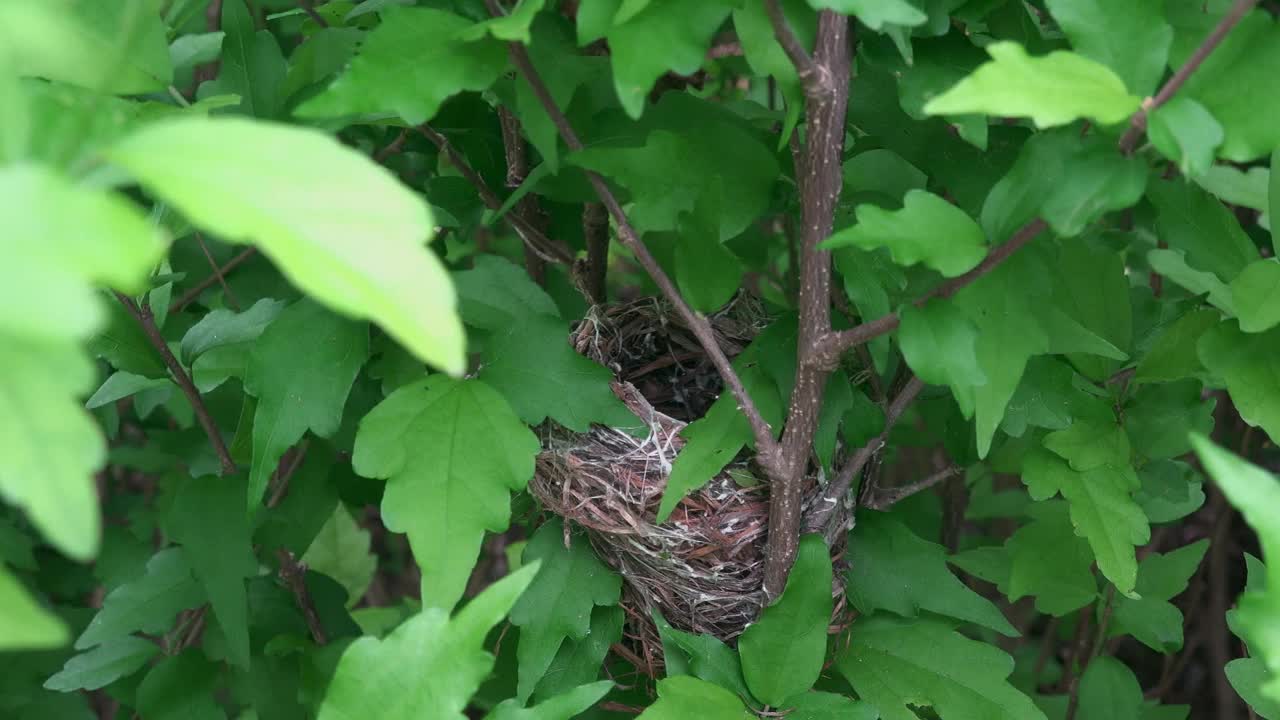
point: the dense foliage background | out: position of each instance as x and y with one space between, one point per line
285 293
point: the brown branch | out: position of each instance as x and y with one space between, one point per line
819 518
307 7
884 499
294 575
832 345
595 229
732 48
1138 124
763 433
148 322
219 275
533 239
392 147
517 170
821 184
814 75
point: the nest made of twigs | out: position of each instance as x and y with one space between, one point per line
703 568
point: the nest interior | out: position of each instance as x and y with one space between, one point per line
703 568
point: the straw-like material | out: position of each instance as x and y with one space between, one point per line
703 568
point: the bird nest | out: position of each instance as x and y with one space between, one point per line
703 568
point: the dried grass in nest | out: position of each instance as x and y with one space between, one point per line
703 568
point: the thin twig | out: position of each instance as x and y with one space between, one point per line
883 499
816 77
1138 124
527 208
220 274
831 346
217 274
148 322
392 147
294 575
763 433
543 246
820 516
307 8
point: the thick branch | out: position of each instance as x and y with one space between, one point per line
517 170
533 239
627 235
148 322
820 183
814 75
820 515
595 229
1138 124
833 344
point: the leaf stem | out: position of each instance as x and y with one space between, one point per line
628 236
142 313
1138 124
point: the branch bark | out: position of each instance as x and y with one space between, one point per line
821 183
294 575
142 313
761 431
816 77
218 275
517 170
595 229
1138 124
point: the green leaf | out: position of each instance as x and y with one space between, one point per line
703 656
122 385
1002 304
1249 364
512 26
1184 131
1092 287
341 228
1158 418
181 687
1131 38
1232 84
1237 187
115 47
536 369
1173 355
409 65
146 604
1255 493
1172 264
1191 220
683 697
707 274
668 175
1052 90
558 604
1248 676
1049 562
561 707
782 652
667 36
1109 689
563 70
713 441
816 705
252 65
24 624
927 229
875 14
1090 443
1255 295
341 551
495 294
103 665
300 370
429 667
938 342
1151 619
765 56
894 664
579 661
451 452
1102 509
221 327
1273 204
1170 491
891 568
208 518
